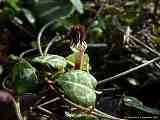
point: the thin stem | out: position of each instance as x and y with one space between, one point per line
128 71
17 108
108 89
144 45
40 35
55 39
4 85
44 110
26 52
50 101
135 68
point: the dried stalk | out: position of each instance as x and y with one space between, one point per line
135 68
110 79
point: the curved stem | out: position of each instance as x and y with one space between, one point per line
40 35
4 85
17 107
26 52
55 39
144 45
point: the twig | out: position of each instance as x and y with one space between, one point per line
144 45
135 68
17 108
40 107
128 71
44 110
50 101
108 89
40 35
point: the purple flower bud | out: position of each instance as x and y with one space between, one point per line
77 34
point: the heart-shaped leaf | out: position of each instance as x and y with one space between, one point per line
79 86
51 61
24 77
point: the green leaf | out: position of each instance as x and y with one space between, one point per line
79 86
135 103
13 4
24 77
127 19
51 61
78 5
71 60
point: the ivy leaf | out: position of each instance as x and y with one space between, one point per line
51 61
24 77
78 5
84 66
135 103
79 86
